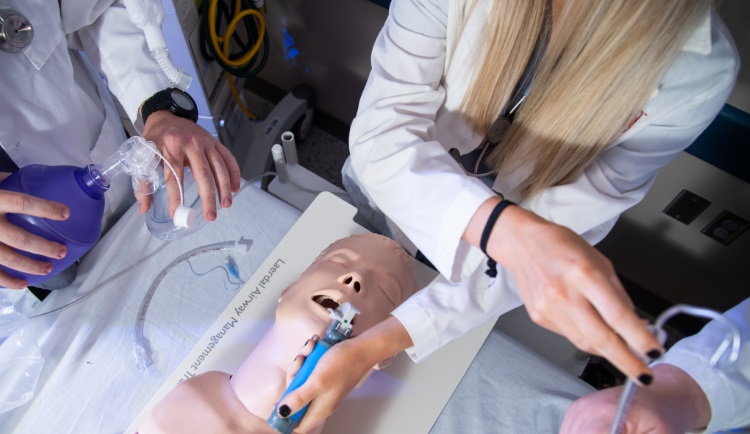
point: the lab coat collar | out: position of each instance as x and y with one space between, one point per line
700 41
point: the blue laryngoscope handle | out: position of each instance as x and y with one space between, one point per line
304 373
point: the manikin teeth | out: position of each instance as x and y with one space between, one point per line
326 302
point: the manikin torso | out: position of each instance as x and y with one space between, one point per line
246 398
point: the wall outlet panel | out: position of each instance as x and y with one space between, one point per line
726 227
686 206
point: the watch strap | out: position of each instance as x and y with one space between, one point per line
162 100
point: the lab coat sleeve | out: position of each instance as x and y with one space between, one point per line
443 310
727 390
117 49
690 96
392 141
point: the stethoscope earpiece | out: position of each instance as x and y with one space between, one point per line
16 32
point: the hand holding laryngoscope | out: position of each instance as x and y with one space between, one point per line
340 329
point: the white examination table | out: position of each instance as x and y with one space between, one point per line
90 382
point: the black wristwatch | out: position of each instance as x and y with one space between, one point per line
176 101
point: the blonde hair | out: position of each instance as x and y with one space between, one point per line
603 62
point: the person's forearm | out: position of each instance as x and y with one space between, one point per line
507 228
560 277
383 341
473 232
132 75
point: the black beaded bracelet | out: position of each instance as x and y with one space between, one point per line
491 264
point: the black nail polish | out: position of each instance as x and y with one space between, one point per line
284 410
645 379
654 354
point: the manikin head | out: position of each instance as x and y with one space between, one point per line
370 271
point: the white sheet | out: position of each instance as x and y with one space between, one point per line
90 383
510 389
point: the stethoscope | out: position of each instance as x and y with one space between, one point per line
16 31
473 163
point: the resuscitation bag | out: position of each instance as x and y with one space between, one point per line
82 190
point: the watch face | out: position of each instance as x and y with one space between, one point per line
181 100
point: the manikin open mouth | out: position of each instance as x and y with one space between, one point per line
326 301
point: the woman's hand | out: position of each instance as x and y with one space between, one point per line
184 143
568 287
340 369
300 358
674 403
12 237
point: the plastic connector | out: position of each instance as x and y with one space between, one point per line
290 147
176 76
277 151
184 217
137 158
148 15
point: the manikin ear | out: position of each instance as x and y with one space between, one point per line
364 378
381 365
384 363
287 288
281 296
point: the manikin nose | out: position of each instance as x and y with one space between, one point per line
351 281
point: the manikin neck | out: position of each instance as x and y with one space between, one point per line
261 380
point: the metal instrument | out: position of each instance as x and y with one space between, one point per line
16 32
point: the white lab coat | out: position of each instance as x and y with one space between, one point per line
727 390
407 120
57 109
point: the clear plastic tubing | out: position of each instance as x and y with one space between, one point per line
142 345
149 15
